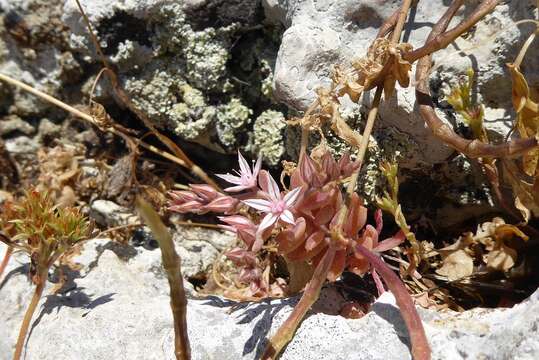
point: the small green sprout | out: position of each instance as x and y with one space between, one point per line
462 101
389 202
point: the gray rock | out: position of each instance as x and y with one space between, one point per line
198 247
48 130
120 309
22 145
34 49
108 213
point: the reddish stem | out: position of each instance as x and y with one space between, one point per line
420 345
442 40
310 295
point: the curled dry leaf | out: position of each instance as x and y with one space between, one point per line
527 120
526 194
457 264
501 257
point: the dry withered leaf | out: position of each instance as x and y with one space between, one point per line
526 198
528 118
456 265
59 172
501 258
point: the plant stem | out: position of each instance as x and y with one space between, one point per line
172 266
471 148
420 345
403 12
28 315
524 48
5 260
310 295
361 155
443 39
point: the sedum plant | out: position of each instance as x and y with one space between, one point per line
304 224
44 232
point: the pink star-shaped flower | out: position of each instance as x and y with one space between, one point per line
275 205
245 178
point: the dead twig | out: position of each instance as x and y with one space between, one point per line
172 265
472 148
442 39
87 117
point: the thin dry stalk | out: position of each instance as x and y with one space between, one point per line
40 286
401 18
172 266
472 148
312 291
391 21
5 260
87 117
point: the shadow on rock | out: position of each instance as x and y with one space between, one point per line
392 315
23 269
263 312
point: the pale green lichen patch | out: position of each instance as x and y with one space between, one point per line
267 136
231 118
193 115
204 53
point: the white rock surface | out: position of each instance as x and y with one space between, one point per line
120 310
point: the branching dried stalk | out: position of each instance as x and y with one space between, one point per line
92 120
472 148
442 39
172 266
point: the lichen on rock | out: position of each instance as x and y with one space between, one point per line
267 136
231 119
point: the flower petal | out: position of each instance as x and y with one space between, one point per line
266 223
257 167
244 165
274 191
236 188
287 216
259 204
230 178
291 196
